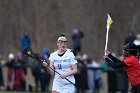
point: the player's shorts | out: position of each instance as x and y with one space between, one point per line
63 87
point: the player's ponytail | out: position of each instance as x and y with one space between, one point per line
63 34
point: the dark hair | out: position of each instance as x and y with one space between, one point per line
132 48
63 34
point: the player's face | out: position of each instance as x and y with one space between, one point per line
62 45
125 53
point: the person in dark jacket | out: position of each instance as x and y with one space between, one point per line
130 38
1 73
25 40
42 77
77 35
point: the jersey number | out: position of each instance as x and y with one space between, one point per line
59 66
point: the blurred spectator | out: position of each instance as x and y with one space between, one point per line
25 40
77 75
19 77
15 74
35 68
42 77
81 76
46 53
137 41
21 65
11 75
77 35
103 65
130 38
95 81
1 73
21 60
84 78
122 76
45 76
111 79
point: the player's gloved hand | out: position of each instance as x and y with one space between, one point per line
106 53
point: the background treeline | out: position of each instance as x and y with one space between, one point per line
46 19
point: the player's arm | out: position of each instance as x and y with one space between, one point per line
71 72
119 64
48 66
110 56
112 61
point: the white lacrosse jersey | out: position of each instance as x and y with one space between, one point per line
63 64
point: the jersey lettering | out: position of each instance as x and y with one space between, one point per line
59 66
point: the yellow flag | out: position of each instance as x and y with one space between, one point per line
109 21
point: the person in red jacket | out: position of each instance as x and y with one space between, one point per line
130 64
